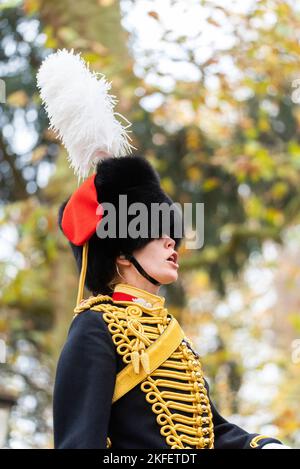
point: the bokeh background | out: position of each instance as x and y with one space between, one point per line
211 89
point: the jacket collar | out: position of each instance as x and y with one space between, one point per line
124 292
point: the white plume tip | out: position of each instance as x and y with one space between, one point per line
81 111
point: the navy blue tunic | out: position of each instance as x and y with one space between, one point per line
83 413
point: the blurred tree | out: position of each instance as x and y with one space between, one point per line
233 146
26 146
227 138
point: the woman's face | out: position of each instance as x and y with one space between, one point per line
154 259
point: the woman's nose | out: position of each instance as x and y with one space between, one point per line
169 241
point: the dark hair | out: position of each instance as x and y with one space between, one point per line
101 268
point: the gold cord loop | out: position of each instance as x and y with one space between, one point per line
138 354
84 260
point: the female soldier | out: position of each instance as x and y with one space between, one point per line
127 376
111 387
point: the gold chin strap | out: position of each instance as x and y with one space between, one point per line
85 251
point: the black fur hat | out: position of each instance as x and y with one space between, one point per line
134 177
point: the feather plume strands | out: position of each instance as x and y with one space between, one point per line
81 111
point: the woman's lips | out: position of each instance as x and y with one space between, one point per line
174 263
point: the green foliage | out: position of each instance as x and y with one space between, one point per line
234 148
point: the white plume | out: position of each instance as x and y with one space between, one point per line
80 111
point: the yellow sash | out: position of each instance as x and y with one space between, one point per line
158 352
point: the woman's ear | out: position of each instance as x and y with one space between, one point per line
121 260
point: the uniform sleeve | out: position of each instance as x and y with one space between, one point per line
84 384
231 436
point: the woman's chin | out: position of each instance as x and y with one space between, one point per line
168 277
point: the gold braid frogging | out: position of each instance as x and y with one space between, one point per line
185 417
